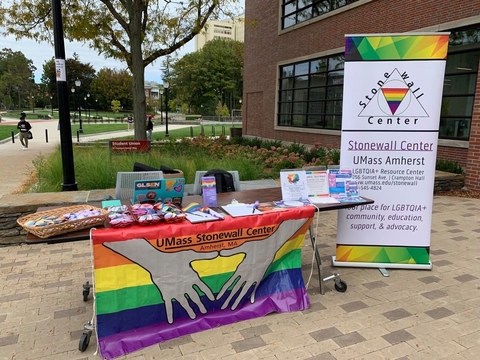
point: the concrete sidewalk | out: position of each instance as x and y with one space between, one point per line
16 164
413 314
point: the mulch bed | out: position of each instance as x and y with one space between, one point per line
472 194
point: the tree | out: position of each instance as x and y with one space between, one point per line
212 75
116 106
134 31
16 78
113 84
76 70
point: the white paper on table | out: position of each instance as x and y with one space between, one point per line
323 200
241 210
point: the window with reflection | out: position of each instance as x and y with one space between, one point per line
297 11
459 84
311 93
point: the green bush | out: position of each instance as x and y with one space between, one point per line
449 166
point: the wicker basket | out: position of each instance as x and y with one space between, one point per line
64 227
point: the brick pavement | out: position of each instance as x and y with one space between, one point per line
413 314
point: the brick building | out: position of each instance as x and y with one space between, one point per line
293 68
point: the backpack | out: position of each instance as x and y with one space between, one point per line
223 179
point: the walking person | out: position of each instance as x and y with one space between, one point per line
24 127
149 128
129 122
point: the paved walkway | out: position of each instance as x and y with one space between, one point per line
16 164
413 314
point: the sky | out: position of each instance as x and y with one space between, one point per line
39 53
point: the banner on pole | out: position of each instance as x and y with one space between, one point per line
391 112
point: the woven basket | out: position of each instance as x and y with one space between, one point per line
64 227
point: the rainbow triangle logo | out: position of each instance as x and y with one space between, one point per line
394 97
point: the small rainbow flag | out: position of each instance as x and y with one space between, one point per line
157 283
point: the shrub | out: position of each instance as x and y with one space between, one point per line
449 166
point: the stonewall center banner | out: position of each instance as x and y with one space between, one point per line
391 114
157 283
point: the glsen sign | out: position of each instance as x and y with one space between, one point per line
129 146
391 112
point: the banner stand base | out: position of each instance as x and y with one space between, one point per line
381 265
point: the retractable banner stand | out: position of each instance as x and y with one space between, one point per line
391 113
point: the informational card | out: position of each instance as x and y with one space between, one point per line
317 183
336 181
294 185
209 191
351 188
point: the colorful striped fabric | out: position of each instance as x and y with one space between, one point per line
157 283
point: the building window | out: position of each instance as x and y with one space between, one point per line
311 92
459 84
297 11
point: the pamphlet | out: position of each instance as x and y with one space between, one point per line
351 188
209 191
336 181
292 203
294 184
317 183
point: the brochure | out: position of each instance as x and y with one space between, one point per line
336 181
294 184
209 191
351 188
317 183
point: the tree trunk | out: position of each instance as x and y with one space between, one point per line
138 73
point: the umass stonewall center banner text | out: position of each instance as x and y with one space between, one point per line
391 113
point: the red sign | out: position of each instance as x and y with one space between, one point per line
129 146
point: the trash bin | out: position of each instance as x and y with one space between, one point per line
235 132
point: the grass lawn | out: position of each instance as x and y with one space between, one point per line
90 129
6 131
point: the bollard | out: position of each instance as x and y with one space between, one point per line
191 131
213 130
46 135
78 135
13 137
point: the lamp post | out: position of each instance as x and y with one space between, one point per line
51 104
88 98
74 104
77 84
85 99
166 86
33 104
96 108
161 113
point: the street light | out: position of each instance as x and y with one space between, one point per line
77 84
33 104
161 113
74 104
51 104
96 108
88 97
165 86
